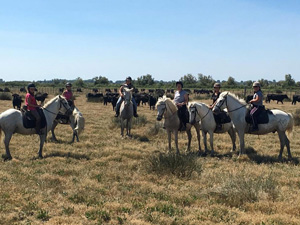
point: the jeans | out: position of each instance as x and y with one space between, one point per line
119 102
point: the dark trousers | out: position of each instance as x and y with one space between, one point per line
37 117
183 115
255 111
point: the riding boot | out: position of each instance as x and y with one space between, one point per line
255 125
134 112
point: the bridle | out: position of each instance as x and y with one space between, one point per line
196 111
61 104
225 100
164 109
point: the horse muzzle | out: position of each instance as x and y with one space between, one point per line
158 118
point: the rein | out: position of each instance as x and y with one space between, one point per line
227 105
59 107
199 114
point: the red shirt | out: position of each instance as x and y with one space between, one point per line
32 101
68 95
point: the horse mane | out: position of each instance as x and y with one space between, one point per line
202 103
169 104
235 97
51 101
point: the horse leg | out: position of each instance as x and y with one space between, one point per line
287 143
6 143
189 134
169 139
283 141
52 130
204 142
198 138
129 127
211 140
232 135
176 141
122 127
42 140
242 142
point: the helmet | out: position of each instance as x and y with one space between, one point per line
68 84
30 85
256 84
217 85
179 82
128 78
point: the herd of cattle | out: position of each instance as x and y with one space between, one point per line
142 96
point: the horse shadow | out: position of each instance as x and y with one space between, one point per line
65 155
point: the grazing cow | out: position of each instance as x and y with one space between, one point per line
17 100
41 97
61 90
159 92
152 102
6 89
94 97
107 90
144 98
114 100
115 90
248 98
79 90
296 98
276 97
151 90
95 90
22 89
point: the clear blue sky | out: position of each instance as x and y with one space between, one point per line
246 39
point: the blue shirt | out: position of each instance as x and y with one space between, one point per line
179 96
260 95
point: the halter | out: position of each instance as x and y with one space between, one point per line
194 107
59 107
225 100
164 109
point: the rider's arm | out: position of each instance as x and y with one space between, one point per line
186 100
120 91
32 105
256 99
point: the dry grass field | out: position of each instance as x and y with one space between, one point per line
104 179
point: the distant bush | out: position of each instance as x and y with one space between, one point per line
242 188
179 165
5 96
296 116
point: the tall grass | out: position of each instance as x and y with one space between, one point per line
296 116
5 96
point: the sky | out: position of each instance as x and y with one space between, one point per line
245 39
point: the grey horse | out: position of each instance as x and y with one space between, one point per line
126 111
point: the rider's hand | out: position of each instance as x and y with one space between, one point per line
122 95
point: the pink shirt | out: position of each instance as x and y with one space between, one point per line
68 95
32 101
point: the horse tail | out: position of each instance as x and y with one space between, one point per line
290 125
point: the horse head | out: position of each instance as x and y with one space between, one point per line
127 95
221 103
161 108
64 106
192 113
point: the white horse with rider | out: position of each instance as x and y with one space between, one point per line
200 112
278 121
11 121
126 111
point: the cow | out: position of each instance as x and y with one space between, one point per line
152 102
114 100
41 97
61 90
94 96
276 97
22 89
296 98
115 90
17 100
248 98
151 90
79 90
107 90
95 90
144 98
6 89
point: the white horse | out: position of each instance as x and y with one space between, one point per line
278 121
201 112
11 121
76 122
167 109
126 111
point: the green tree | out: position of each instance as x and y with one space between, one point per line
289 81
230 82
145 80
79 82
188 79
100 80
205 81
263 82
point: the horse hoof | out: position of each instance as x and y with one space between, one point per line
6 158
41 157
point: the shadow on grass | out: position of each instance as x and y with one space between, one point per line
67 155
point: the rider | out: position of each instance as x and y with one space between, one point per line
257 105
33 107
68 94
214 97
181 100
129 85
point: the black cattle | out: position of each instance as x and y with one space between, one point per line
79 90
107 90
1 90
296 98
61 90
95 90
137 98
187 90
41 97
22 89
116 90
276 97
94 96
114 100
142 89
248 98
17 100
144 98
152 102
159 92
151 90
6 89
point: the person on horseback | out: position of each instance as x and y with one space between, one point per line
214 97
68 94
129 85
33 107
257 105
181 100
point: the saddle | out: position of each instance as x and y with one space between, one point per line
222 118
262 118
29 120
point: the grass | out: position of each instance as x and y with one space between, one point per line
5 96
296 116
104 179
